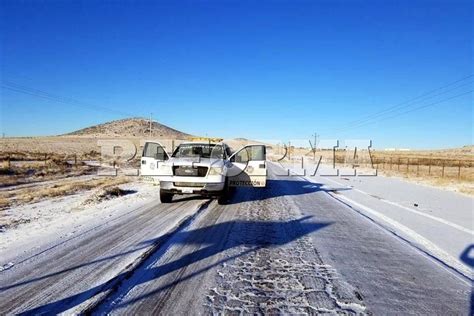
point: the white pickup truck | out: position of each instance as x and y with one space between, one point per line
204 168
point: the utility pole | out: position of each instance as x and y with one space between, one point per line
315 145
151 115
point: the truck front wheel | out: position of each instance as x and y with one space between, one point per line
165 197
225 195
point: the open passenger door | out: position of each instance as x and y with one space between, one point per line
247 167
154 154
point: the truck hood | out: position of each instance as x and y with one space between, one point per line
205 162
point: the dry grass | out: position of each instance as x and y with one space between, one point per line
4 203
469 190
35 148
21 196
105 193
21 172
451 184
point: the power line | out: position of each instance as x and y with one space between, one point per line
383 113
9 85
408 103
411 110
48 96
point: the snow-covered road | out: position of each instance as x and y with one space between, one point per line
85 262
289 248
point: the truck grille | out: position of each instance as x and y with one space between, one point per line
189 171
189 184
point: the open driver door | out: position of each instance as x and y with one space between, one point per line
153 155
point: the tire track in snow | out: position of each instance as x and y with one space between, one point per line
276 276
115 284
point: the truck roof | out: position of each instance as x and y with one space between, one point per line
199 143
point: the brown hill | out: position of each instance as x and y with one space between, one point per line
132 127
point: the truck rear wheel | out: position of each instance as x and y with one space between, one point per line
165 197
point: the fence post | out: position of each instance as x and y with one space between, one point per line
459 169
408 163
391 163
429 167
8 161
417 167
442 171
398 164
75 160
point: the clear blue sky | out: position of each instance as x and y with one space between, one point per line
262 70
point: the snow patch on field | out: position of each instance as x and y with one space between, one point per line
59 219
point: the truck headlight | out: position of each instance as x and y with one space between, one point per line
215 171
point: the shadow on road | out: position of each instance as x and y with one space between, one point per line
278 188
184 198
467 257
273 189
213 239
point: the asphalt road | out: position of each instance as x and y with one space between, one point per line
287 248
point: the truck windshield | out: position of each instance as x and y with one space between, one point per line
199 150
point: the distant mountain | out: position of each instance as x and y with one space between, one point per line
131 127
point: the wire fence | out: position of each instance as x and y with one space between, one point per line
436 167
410 164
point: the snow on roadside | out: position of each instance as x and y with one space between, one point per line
63 217
429 200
